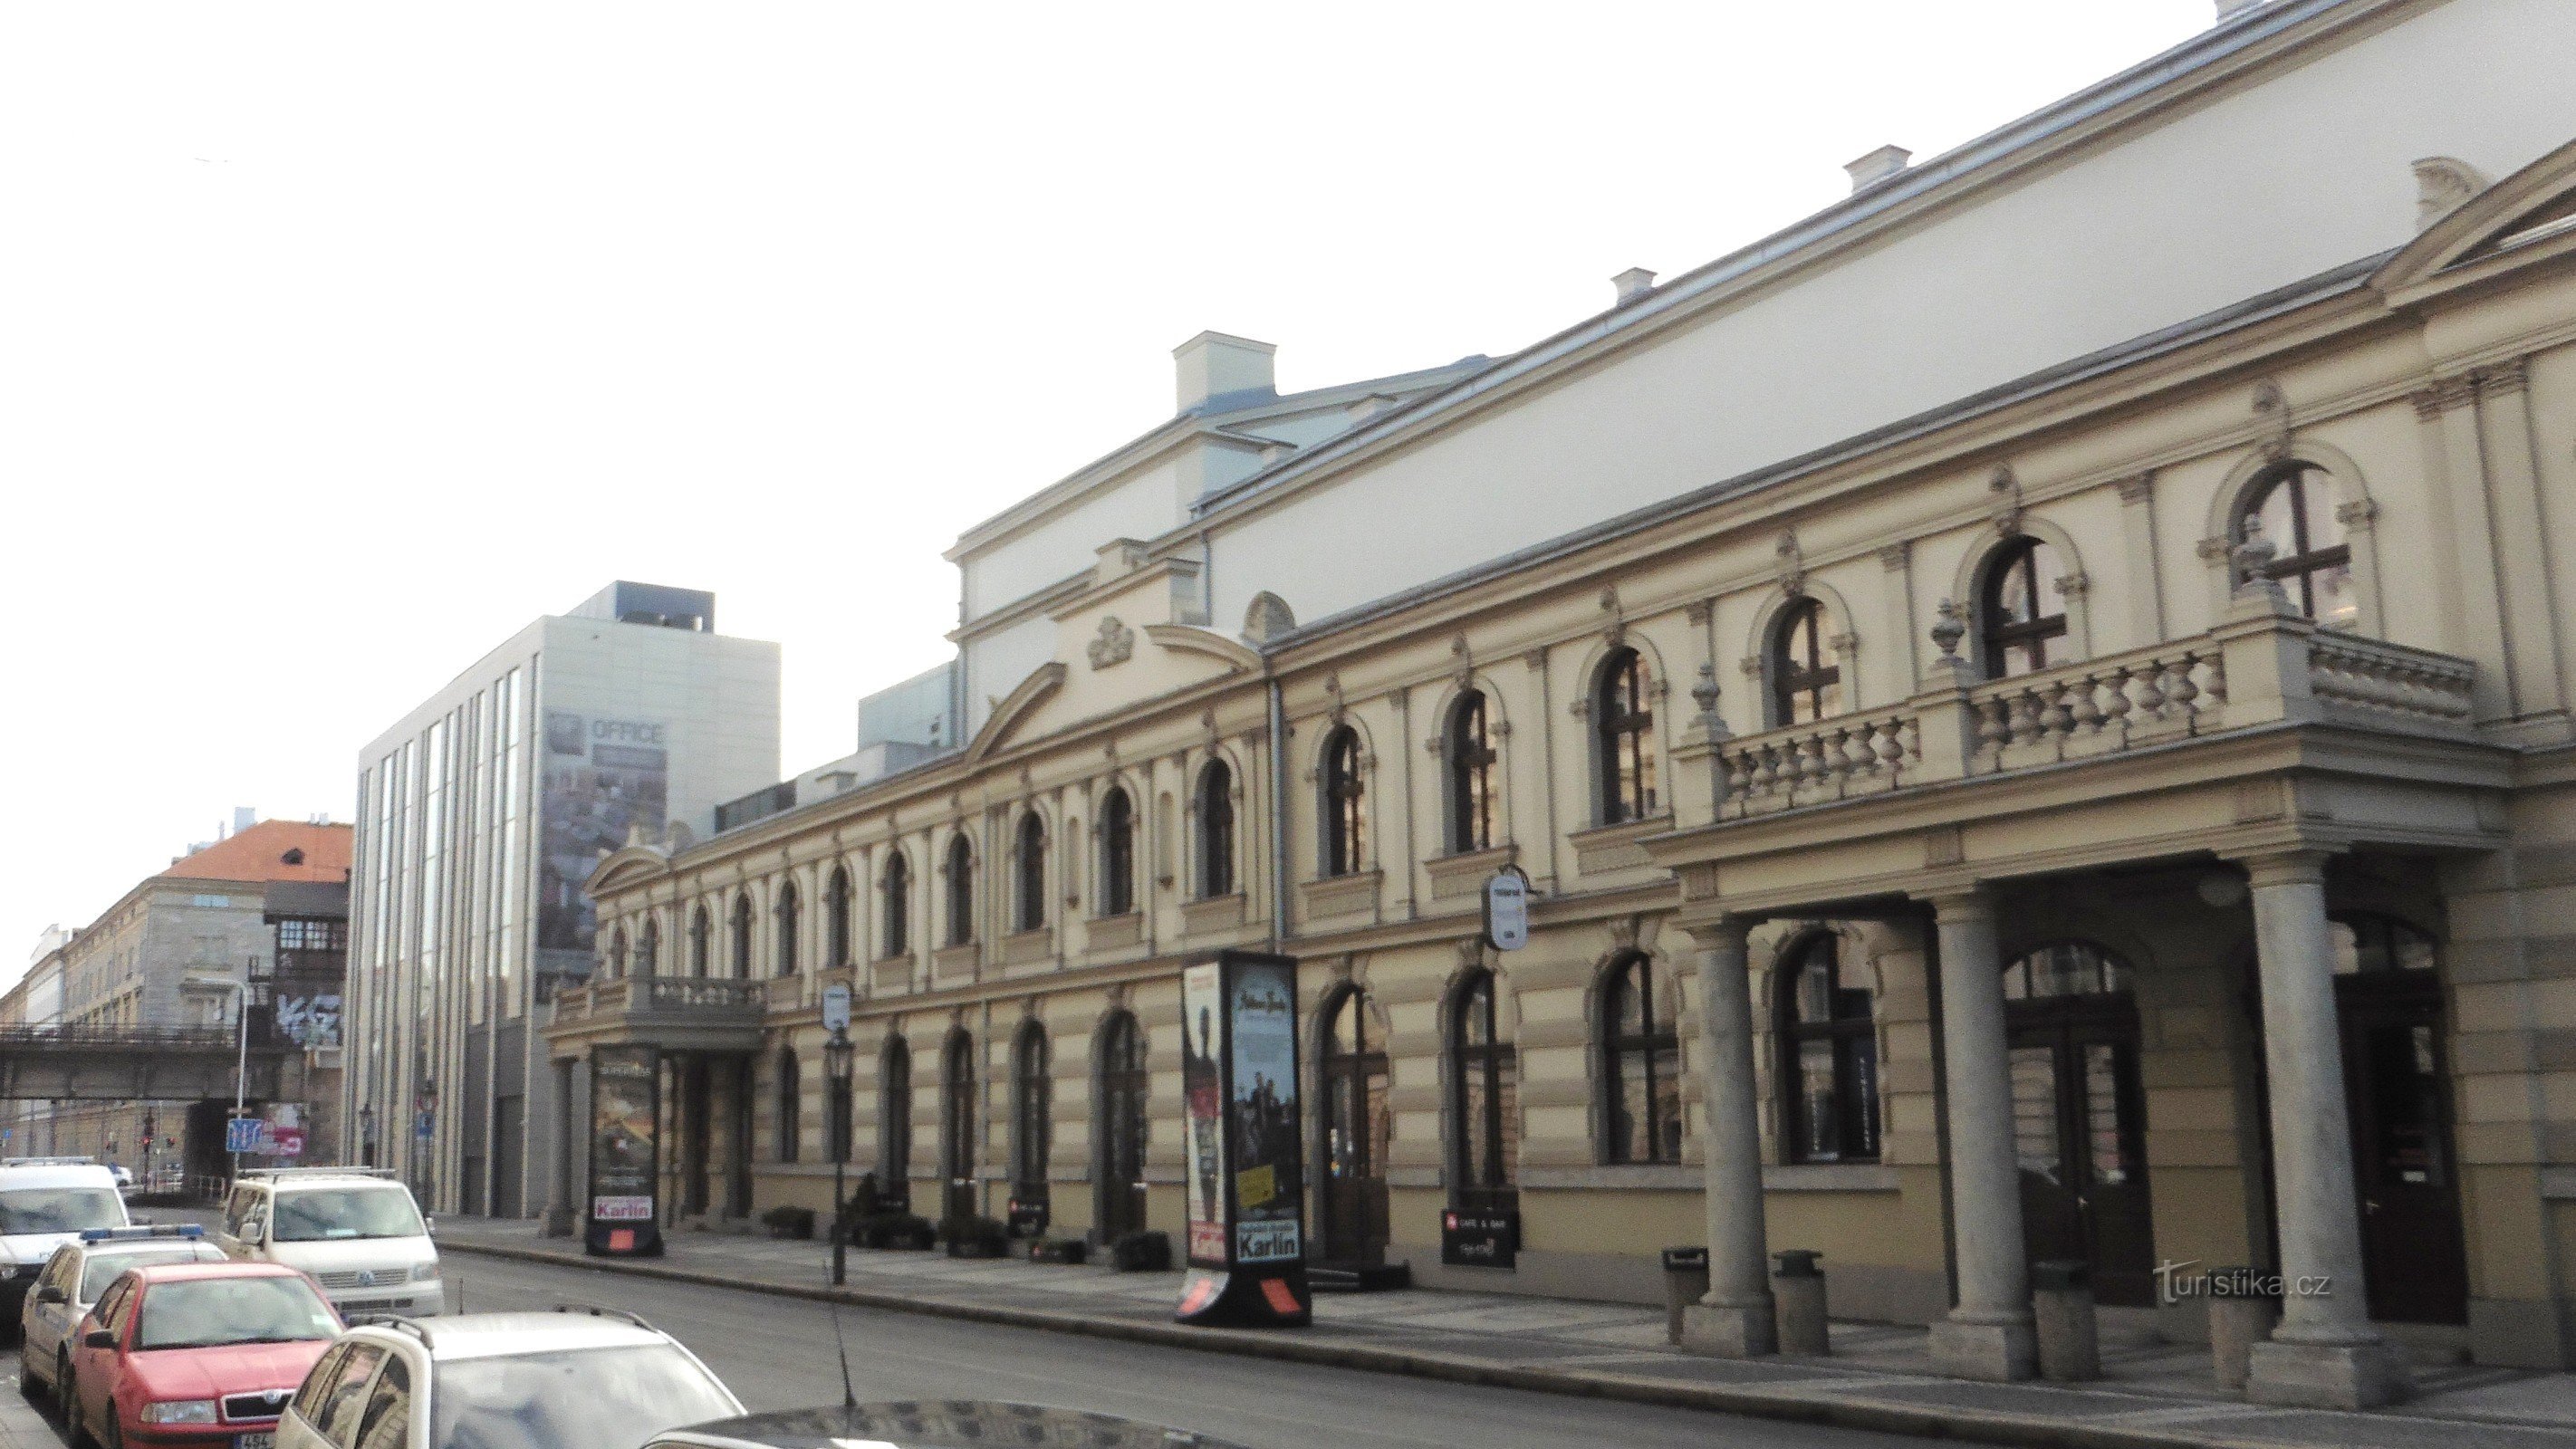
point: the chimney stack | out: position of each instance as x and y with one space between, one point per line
244 817
1877 166
1632 284
1216 365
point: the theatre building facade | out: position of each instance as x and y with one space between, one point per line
2034 708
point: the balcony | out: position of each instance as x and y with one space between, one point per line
677 1013
2263 666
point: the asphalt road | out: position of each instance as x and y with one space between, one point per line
777 1353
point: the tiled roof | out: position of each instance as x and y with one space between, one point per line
260 854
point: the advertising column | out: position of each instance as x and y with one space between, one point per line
1246 1146
625 1119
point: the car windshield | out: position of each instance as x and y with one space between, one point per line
204 1312
354 1212
60 1209
102 1268
600 1398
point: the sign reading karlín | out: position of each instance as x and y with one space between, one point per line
1245 1147
625 1116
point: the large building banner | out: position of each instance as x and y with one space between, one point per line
620 1218
603 777
1247 1188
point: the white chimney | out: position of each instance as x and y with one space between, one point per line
1877 166
1632 284
2230 9
1214 364
244 817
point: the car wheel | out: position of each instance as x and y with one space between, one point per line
28 1384
63 1385
115 1431
75 1432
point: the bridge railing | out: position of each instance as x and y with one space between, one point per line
91 1035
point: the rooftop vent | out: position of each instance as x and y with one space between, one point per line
1877 166
1632 284
1216 365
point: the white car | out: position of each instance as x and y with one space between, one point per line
575 1378
80 1271
354 1229
46 1202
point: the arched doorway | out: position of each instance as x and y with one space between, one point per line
2388 1001
2079 1116
1119 1128
957 1154
1356 1122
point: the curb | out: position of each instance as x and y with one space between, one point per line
2032 1430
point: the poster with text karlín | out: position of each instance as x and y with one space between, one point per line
1269 1188
625 1107
1203 1107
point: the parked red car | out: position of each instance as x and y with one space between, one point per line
201 1354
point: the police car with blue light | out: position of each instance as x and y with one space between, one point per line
46 1202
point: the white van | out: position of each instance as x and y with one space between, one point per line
46 1202
354 1229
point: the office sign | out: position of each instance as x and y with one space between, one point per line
1507 909
625 1148
1247 1189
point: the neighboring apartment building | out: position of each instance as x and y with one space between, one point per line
2019 697
479 815
178 950
35 1002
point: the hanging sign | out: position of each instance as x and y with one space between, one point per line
836 1007
1246 1146
625 1113
1507 909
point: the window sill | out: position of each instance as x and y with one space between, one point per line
950 965
1830 1177
1629 1176
1021 948
890 973
1341 895
1116 933
1616 847
1212 914
1463 875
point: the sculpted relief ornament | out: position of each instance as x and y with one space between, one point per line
1115 644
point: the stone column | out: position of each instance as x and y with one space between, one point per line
1735 1319
1989 1334
2324 1353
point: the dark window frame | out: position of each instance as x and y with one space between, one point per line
741 931
1344 788
1470 757
894 1116
1216 829
1803 672
1032 1109
1117 852
2014 567
1644 1056
1492 1064
787 913
701 940
1623 737
836 919
961 890
1028 873
2300 561
1853 1041
788 1131
895 889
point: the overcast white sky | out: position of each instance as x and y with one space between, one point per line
339 341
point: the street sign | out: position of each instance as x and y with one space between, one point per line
1507 909
245 1134
425 1125
286 1142
836 1007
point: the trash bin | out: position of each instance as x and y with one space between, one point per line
1798 1302
2061 1305
1685 1283
2240 1317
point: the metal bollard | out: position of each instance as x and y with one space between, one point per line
2237 1322
1685 1283
2061 1304
1798 1300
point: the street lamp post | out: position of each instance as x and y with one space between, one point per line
836 1065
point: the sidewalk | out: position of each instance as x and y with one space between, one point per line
1878 1378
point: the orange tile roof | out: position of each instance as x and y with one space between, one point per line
259 854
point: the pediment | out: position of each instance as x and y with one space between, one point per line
625 867
2525 218
1015 710
1234 654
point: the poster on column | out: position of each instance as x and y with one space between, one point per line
625 1146
1247 1190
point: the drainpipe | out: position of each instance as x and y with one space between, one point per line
1278 819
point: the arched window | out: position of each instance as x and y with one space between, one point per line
961 890
1471 774
1117 853
1806 678
791 1105
1216 830
957 1152
2017 631
1120 1125
2373 945
2293 508
836 918
1345 803
894 1118
616 964
2067 968
701 932
897 886
1623 721
648 948
1641 1065
1828 1057
1485 1086
787 920
1028 864
1032 1113
742 936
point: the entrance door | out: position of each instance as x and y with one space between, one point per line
738 1140
1356 1125
695 1118
2079 1117
2389 999
957 1144
1123 1080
